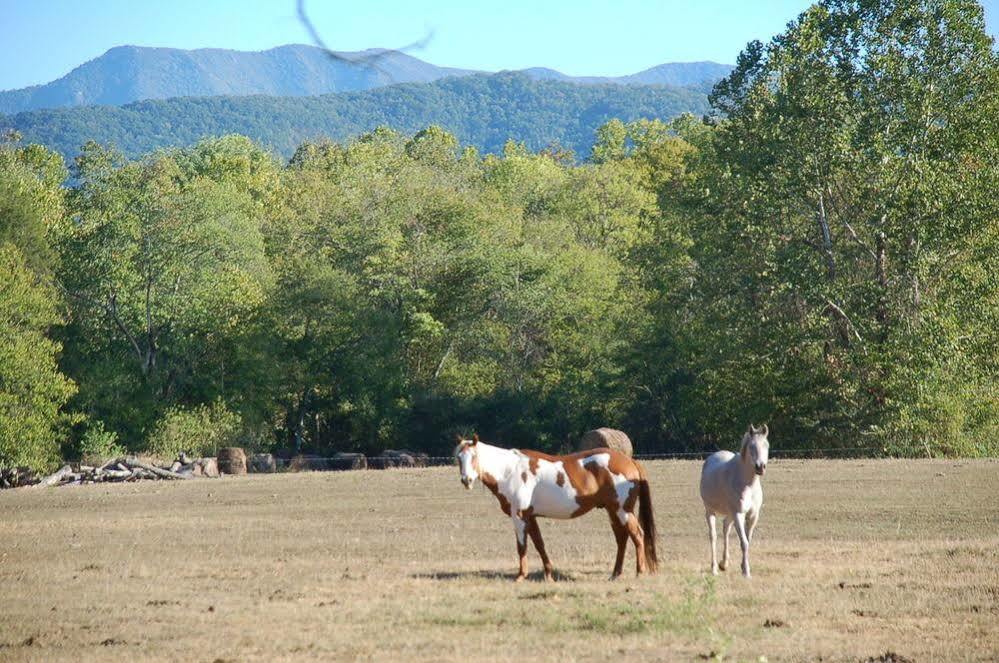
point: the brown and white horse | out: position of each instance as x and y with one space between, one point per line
531 485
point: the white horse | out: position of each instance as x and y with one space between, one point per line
730 487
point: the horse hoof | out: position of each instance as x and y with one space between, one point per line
723 566
519 578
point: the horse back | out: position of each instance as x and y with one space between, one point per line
617 462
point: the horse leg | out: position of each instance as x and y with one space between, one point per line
520 529
751 519
711 537
726 530
740 529
621 535
539 545
638 538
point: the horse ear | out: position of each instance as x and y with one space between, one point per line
766 430
475 438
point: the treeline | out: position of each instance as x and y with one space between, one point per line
822 255
482 110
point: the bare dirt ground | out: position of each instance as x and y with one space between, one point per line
853 560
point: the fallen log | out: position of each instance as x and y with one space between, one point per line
158 471
56 477
115 470
109 463
116 475
207 467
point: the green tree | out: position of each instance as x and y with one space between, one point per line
611 143
847 256
166 272
31 201
32 390
419 292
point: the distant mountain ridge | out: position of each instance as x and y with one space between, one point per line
675 74
126 74
484 110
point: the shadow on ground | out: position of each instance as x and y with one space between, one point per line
534 576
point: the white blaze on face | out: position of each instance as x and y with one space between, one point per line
466 461
764 451
759 450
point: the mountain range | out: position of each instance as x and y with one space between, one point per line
482 110
126 74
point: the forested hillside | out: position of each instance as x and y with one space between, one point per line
484 111
821 253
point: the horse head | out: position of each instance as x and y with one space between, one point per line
468 460
756 448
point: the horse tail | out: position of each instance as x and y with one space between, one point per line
647 519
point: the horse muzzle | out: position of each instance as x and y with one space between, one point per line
761 469
467 482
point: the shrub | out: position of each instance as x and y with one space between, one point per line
198 431
99 445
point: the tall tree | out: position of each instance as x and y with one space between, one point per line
853 191
32 390
165 270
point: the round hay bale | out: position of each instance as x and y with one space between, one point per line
399 458
308 463
232 460
264 463
348 461
606 437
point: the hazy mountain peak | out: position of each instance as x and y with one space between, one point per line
128 73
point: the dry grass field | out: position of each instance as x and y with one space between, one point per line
853 560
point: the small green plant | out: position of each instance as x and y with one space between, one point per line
99 445
656 613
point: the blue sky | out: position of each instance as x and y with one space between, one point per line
41 40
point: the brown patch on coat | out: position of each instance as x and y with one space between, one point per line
560 479
523 476
532 464
593 484
489 481
605 495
